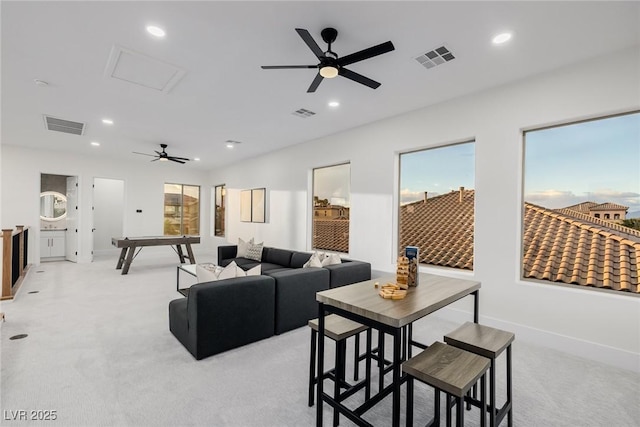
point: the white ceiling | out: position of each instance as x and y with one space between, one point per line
226 95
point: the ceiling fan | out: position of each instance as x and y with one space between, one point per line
330 64
163 156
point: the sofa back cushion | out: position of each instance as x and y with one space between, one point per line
277 256
298 259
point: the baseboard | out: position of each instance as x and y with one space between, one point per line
586 349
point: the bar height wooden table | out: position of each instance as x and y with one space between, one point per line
130 244
361 302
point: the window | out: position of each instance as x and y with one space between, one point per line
570 173
331 203
218 217
616 216
437 204
181 210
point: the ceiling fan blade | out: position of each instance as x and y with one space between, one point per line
366 53
315 83
174 159
351 75
155 160
144 154
179 158
158 153
280 67
310 42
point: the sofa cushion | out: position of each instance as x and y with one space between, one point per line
267 266
254 251
298 259
331 259
253 271
205 273
296 296
219 316
278 256
277 270
245 263
348 272
243 247
315 260
228 272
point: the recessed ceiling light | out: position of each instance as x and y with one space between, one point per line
155 31
95 143
40 82
197 159
334 104
501 38
231 143
107 121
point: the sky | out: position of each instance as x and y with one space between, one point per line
333 183
597 161
437 171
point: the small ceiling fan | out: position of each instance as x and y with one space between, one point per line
163 156
330 64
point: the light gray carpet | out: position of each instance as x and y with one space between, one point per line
100 353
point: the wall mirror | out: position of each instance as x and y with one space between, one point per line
53 206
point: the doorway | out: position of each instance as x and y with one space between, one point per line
108 214
58 217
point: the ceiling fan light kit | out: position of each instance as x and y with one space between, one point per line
330 64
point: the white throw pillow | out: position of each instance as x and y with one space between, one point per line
255 271
331 259
314 261
205 275
243 247
254 251
228 272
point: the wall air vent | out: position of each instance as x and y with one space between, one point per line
435 57
65 126
303 113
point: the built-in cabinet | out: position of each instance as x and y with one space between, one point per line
52 243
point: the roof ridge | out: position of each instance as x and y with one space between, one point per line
609 205
440 195
606 225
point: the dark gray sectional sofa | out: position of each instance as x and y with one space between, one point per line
225 314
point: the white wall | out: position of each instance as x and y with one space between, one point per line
144 189
601 325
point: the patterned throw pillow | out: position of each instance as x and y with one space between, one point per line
254 251
243 247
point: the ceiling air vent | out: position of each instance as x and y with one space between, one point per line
435 57
66 126
303 113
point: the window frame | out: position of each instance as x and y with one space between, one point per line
214 206
520 269
398 201
180 208
313 210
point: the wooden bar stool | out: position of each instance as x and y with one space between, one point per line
339 329
450 370
490 343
